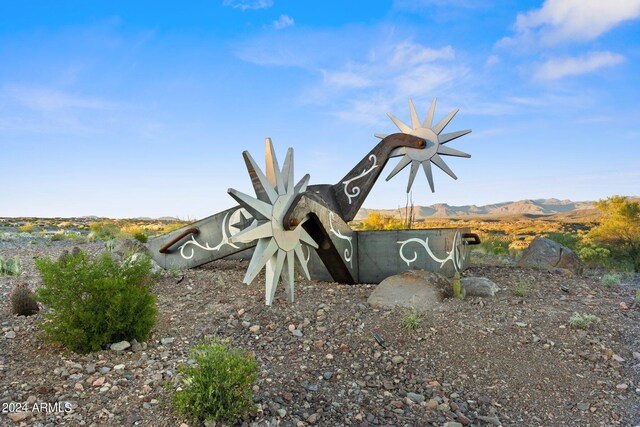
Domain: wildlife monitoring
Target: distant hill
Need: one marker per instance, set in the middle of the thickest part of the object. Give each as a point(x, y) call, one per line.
point(530, 208)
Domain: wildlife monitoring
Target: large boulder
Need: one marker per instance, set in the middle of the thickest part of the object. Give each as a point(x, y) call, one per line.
point(412, 289)
point(549, 255)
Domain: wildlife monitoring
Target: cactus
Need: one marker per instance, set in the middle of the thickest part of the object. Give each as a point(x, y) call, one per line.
point(10, 267)
point(23, 302)
point(457, 291)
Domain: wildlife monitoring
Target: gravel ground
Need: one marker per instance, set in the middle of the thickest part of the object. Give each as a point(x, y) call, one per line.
point(507, 360)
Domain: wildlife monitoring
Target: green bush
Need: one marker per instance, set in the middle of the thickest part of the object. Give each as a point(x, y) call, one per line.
point(582, 321)
point(521, 289)
point(103, 230)
point(611, 279)
point(217, 387)
point(141, 237)
point(411, 319)
point(96, 302)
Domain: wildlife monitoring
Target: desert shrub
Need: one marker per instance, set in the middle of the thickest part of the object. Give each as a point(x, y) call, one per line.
point(135, 232)
point(217, 387)
point(594, 256)
point(521, 289)
point(10, 267)
point(23, 301)
point(376, 221)
point(619, 230)
point(493, 244)
point(411, 319)
point(104, 230)
point(27, 228)
point(637, 297)
point(94, 302)
point(611, 279)
point(582, 321)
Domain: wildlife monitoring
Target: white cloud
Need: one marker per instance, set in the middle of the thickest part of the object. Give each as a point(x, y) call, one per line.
point(283, 21)
point(346, 79)
point(53, 100)
point(248, 4)
point(558, 68)
point(559, 21)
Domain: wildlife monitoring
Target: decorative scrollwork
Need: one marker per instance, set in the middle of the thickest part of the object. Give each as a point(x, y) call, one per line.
point(355, 191)
point(457, 255)
point(348, 252)
point(206, 247)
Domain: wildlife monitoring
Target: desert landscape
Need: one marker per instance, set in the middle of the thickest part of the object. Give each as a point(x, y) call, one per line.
point(330, 358)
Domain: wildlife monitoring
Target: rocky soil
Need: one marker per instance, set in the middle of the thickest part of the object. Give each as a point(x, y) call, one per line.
point(506, 360)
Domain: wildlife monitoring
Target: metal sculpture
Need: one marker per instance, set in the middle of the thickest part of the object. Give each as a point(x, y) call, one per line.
point(287, 224)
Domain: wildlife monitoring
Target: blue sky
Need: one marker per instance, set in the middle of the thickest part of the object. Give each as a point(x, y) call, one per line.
point(143, 108)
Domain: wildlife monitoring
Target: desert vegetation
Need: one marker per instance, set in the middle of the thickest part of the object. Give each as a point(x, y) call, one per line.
point(609, 240)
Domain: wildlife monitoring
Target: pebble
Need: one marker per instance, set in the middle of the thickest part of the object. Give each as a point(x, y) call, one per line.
point(10, 334)
point(452, 424)
point(99, 382)
point(16, 417)
point(397, 360)
point(167, 341)
point(312, 419)
point(282, 412)
point(120, 346)
point(297, 332)
point(622, 387)
point(327, 375)
point(583, 406)
point(90, 368)
point(254, 329)
point(432, 404)
point(415, 397)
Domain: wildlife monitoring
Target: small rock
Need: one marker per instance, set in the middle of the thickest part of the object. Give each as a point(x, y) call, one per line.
point(312, 419)
point(120, 346)
point(583, 406)
point(119, 368)
point(100, 381)
point(327, 375)
point(622, 387)
point(282, 412)
point(11, 335)
point(167, 341)
point(297, 332)
point(397, 360)
point(133, 418)
point(241, 312)
point(254, 329)
point(90, 368)
point(415, 397)
point(617, 358)
point(491, 420)
point(16, 417)
point(522, 324)
point(452, 424)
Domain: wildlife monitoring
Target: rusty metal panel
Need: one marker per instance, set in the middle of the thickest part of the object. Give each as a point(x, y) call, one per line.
point(384, 253)
point(209, 243)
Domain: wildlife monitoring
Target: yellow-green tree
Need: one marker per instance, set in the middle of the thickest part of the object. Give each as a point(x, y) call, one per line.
point(619, 229)
point(376, 221)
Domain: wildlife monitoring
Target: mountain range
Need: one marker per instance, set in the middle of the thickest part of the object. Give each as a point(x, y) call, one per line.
point(532, 208)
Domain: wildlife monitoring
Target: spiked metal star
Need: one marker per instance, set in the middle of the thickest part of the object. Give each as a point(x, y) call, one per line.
point(434, 145)
point(277, 247)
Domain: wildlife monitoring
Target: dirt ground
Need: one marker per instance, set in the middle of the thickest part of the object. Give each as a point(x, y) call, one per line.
point(506, 360)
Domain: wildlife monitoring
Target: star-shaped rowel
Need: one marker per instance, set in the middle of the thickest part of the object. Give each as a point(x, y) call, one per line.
point(277, 248)
point(434, 145)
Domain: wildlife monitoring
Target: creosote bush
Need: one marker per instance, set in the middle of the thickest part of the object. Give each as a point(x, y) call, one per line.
point(93, 302)
point(217, 387)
